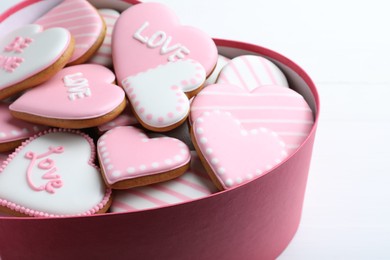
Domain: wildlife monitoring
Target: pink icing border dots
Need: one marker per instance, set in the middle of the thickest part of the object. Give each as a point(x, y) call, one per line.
point(33, 213)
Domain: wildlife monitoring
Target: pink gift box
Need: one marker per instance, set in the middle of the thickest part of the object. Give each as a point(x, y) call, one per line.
point(256, 220)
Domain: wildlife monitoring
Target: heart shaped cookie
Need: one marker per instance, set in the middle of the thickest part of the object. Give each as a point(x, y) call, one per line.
point(149, 34)
point(30, 56)
point(129, 158)
point(231, 154)
point(52, 174)
point(192, 185)
point(279, 109)
point(250, 72)
point(13, 131)
point(84, 23)
point(77, 97)
point(159, 96)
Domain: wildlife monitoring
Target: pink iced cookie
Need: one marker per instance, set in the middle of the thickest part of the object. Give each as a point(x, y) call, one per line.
point(159, 96)
point(29, 56)
point(250, 72)
point(129, 158)
point(13, 131)
point(279, 109)
point(77, 97)
point(103, 56)
point(192, 185)
point(84, 23)
point(52, 174)
point(232, 154)
point(151, 35)
point(126, 118)
point(212, 79)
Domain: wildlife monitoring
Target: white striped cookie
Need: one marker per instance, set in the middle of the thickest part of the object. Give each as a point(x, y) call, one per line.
point(104, 55)
point(212, 79)
point(250, 72)
point(83, 22)
point(192, 185)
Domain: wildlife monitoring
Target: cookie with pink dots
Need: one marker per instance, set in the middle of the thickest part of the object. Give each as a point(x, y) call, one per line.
point(159, 96)
point(277, 108)
point(30, 55)
point(78, 96)
point(83, 22)
point(103, 55)
point(129, 158)
point(232, 154)
point(52, 175)
point(14, 131)
point(250, 72)
point(151, 35)
point(194, 184)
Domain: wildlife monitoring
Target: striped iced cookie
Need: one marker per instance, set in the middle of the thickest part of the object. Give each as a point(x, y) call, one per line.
point(212, 79)
point(192, 185)
point(104, 56)
point(250, 72)
point(83, 22)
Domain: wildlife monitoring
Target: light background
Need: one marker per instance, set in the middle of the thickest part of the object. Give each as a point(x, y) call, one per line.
point(345, 47)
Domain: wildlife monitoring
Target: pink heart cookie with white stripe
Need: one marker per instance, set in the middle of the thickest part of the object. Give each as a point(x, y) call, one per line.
point(129, 158)
point(149, 34)
point(83, 21)
point(103, 55)
point(30, 55)
point(194, 184)
point(79, 96)
point(250, 72)
point(159, 96)
point(13, 131)
point(231, 154)
point(279, 109)
point(53, 175)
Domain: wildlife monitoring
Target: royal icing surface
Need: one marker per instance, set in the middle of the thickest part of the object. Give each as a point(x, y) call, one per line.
point(212, 79)
point(53, 175)
point(151, 35)
point(29, 50)
point(80, 18)
point(126, 152)
point(103, 56)
point(251, 153)
point(158, 95)
point(125, 119)
point(76, 92)
point(277, 108)
point(250, 72)
point(192, 185)
point(12, 129)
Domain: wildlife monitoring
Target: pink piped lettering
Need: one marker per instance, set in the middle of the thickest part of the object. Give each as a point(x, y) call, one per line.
point(18, 44)
point(9, 64)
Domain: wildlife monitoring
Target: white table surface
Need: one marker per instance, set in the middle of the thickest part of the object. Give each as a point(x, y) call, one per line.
point(345, 47)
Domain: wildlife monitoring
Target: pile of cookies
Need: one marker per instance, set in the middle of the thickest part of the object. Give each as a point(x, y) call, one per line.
point(102, 111)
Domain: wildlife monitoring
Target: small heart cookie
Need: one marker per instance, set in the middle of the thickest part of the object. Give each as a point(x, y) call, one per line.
point(250, 72)
point(147, 35)
point(79, 96)
point(231, 154)
point(159, 96)
point(29, 56)
point(53, 175)
point(129, 158)
point(83, 21)
point(13, 131)
point(279, 109)
point(192, 185)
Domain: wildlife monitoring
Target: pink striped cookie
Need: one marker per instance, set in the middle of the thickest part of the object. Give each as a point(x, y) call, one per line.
point(279, 109)
point(30, 55)
point(192, 185)
point(129, 158)
point(232, 154)
point(250, 72)
point(53, 175)
point(212, 79)
point(83, 22)
point(103, 56)
point(13, 131)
